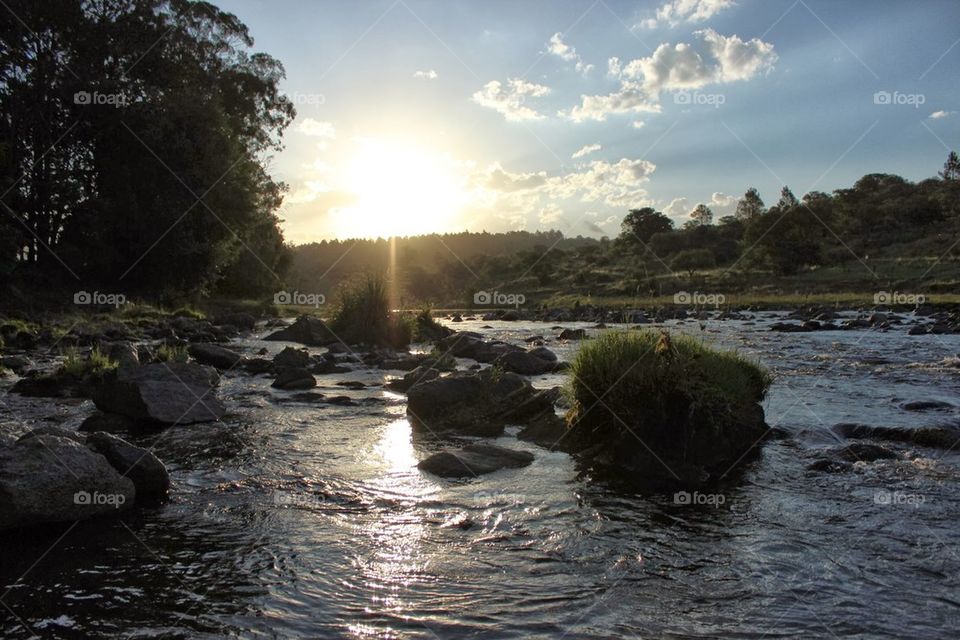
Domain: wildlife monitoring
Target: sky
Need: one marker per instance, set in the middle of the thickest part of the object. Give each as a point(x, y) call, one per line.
point(419, 116)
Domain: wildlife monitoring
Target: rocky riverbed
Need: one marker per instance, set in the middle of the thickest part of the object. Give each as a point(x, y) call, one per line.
point(321, 490)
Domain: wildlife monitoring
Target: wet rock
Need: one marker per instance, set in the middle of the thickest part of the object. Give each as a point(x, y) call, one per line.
point(46, 479)
point(148, 473)
point(306, 330)
point(467, 344)
point(926, 405)
point(526, 363)
point(572, 334)
point(474, 403)
point(473, 460)
point(214, 355)
point(58, 432)
point(112, 423)
point(257, 366)
point(125, 354)
point(242, 321)
point(342, 401)
point(943, 437)
point(16, 363)
point(417, 376)
point(166, 393)
point(544, 354)
point(788, 327)
point(326, 367)
point(308, 396)
point(294, 378)
point(46, 386)
point(290, 357)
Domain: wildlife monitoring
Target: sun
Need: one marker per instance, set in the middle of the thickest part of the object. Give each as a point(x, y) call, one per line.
point(400, 189)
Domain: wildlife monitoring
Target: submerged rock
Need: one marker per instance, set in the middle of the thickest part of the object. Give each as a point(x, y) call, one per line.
point(215, 356)
point(293, 378)
point(474, 460)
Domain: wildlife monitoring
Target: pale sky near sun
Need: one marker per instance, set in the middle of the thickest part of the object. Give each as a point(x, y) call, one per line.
point(419, 116)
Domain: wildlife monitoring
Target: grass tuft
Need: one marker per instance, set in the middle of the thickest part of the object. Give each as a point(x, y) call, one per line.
point(95, 364)
point(362, 314)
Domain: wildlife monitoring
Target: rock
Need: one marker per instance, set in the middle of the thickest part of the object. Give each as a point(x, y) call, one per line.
point(572, 334)
point(58, 432)
point(294, 378)
point(166, 393)
point(926, 405)
point(45, 386)
point(467, 344)
point(356, 385)
point(788, 327)
point(111, 423)
point(257, 366)
point(148, 473)
point(544, 354)
point(417, 376)
point(917, 330)
point(943, 437)
point(525, 363)
point(325, 367)
point(215, 356)
point(125, 354)
point(242, 321)
point(46, 479)
point(473, 460)
point(18, 364)
point(511, 315)
point(546, 429)
point(290, 357)
point(479, 404)
point(865, 452)
point(308, 396)
point(306, 330)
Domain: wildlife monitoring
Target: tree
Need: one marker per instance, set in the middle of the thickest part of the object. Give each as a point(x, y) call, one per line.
point(701, 215)
point(951, 168)
point(640, 224)
point(750, 205)
point(787, 199)
point(163, 122)
point(690, 260)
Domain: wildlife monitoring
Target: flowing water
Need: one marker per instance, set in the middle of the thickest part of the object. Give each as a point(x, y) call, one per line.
point(298, 520)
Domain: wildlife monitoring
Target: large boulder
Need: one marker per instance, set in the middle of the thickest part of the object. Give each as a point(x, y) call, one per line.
point(148, 473)
point(417, 376)
point(474, 460)
point(479, 404)
point(306, 330)
point(214, 355)
point(467, 344)
point(46, 478)
point(165, 393)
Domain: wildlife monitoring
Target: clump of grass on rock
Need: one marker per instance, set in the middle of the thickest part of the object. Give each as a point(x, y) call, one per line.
point(363, 316)
point(665, 408)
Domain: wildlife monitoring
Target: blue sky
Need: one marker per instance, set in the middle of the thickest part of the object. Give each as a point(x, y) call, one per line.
point(417, 116)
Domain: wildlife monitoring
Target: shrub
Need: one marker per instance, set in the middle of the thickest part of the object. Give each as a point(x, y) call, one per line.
point(171, 353)
point(76, 366)
point(362, 314)
point(642, 393)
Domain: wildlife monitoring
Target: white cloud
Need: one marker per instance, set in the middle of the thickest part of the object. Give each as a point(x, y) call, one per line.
point(613, 66)
point(676, 12)
point(565, 52)
point(313, 127)
point(722, 204)
point(550, 214)
point(713, 59)
point(638, 124)
point(936, 115)
point(586, 150)
point(428, 74)
point(509, 100)
point(678, 208)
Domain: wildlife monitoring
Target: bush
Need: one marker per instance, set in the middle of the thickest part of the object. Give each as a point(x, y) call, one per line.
point(171, 353)
point(362, 315)
point(646, 393)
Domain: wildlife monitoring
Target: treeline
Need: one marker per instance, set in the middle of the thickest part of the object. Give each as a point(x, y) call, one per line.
point(133, 141)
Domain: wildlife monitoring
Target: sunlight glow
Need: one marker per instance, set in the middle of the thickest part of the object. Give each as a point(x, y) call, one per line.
point(401, 190)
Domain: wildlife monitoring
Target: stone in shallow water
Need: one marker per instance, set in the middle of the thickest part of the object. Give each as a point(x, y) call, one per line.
point(294, 379)
point(148, 473)
point(166, 392)
point(473, 460)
